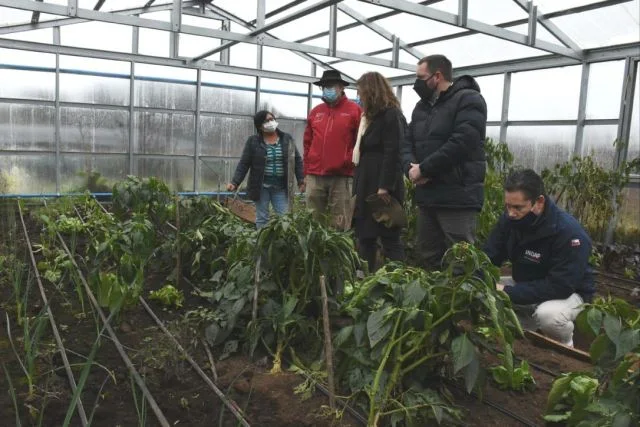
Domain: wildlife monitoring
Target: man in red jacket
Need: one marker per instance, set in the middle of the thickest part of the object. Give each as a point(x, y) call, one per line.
point(329, 139)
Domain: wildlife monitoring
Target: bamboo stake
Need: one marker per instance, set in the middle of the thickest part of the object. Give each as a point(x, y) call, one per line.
point(54, 327)
point(210, 356)
point(256, 289)
point(229, 403)
point(328, 346)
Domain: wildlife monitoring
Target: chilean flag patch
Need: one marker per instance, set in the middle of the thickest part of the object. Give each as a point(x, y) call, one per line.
point(575, 243)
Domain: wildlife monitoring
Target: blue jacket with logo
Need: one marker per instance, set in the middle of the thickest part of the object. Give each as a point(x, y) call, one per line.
point(550, 259)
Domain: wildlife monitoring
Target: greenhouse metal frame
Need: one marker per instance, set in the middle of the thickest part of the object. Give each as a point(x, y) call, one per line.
point(564, 52)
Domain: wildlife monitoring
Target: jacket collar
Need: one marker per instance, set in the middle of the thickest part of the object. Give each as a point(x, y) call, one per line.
point(546, 225)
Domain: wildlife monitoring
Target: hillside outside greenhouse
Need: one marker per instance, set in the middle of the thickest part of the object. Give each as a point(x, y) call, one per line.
point(319, 213)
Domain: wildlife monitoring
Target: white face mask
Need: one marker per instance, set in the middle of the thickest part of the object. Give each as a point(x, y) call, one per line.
point(270, 126)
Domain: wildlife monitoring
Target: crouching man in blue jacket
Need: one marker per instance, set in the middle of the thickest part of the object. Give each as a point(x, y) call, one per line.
point(549, 251)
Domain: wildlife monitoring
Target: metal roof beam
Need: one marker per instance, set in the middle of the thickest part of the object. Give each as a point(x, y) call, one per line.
point(480, 27)
point(550, 26)
point(378, 29)
point(98, 5)
point(303, 12)
point(35, 16)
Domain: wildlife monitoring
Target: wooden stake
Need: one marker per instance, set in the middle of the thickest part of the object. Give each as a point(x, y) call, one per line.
point(210, 356)
point(256, 288)
point(291, 174)
point(328, 346)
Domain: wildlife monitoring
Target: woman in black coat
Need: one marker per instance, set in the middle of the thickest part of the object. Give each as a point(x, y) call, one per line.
point(378, 173)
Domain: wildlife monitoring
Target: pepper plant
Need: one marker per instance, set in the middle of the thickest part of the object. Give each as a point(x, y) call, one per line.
point(611, 394)
point(409, 328)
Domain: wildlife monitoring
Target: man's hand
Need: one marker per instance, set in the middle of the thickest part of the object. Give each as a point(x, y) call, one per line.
point(414, 173)
point(500, 286)
point(231, 187)
point(384, 195)
point(421, 181)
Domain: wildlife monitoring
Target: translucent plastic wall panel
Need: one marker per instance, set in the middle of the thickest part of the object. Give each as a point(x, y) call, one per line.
point(540, 147)
point(214, 175)
point(545, 94)
point(227, 101)
point(27, 127)
point(366, 9)
point(604, 26)
point(111, 5)
point(228, 79)
point(548, 6)
point(24, 57)
point(307, 25)
point(496, 12)
point(74, 169)
point(153, 42)
point(176, 173)
point(493, 132)
point(94, 90)
point(163, 72)
point(97, 35)
point(163, 133)
point(356, 69)
point(361, 40)
point(243, 55)
point(295, 128)
point(82, 63)
point(190, 46)
point(598, 142)
point(94, 131)
point(541, 33)
point(29, 174)
point(605, 90)
point(163, 15)
point(155, 94)
point(284, 105)
point(284, 61)
point(491, 88)
point(409, 100)
point(10, 16)
point(27, 84)
point(634, 138)
point(246, 10)
point(224, 136)
point(412, 28)
point(44, 35)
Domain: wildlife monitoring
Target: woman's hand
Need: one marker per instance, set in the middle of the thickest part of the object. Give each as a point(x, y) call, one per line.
point(384, 195)
point(231, 187)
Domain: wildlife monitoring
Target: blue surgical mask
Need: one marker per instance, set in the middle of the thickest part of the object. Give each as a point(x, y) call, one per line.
point(330, 94)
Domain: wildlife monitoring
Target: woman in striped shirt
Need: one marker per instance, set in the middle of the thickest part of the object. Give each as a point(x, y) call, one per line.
point(265, 158)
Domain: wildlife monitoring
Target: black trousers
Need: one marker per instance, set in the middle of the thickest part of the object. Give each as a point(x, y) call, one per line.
point(439, 229)
point(392, 248)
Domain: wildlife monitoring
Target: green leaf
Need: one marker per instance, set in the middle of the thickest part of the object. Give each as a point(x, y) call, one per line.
point(599, 347)
point(556, 418)
point(594, 318)
point(471, 374)
point(558, 389)
point(628, 341)
point(377, 326)
point(612, 327)
point(414, 294)
point(359, 333)
point(621, 419)
point(463, 352)
point(342, 336)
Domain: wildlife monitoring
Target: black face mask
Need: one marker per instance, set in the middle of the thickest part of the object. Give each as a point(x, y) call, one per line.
point(423, 90)
point(525, 222)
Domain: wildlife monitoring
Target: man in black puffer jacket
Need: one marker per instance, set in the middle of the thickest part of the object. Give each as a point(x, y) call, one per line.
point(443, 154)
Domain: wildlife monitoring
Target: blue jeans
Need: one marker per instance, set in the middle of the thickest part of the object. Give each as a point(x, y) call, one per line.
point(279, 201)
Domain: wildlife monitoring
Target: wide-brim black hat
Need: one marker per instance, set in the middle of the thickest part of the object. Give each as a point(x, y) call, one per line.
point(331, 76)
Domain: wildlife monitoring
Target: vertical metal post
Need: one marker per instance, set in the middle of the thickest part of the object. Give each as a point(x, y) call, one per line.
point(132, 130)
point(176, 17)
point(582, 109)
point(333, 30)
point(72, 7)
point(504, 119)
point(395, 53)
point(260, 18)
point(622, 139)
point(196, 150)
point(533, 22)
point(399, 93)
point(310, 90)
point(56, 41)
point(463, 11)
point(225, 55)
